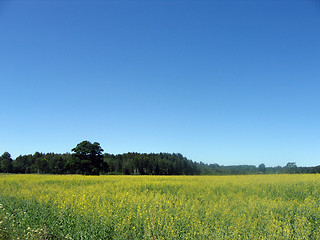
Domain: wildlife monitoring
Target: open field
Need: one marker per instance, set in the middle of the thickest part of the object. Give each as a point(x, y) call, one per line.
point(159, 207)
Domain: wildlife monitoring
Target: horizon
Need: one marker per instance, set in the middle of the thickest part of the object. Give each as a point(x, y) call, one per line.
point(232, 83)
point(199, 162)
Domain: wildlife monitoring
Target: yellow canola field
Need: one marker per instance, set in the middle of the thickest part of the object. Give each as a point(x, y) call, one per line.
point(161, 207)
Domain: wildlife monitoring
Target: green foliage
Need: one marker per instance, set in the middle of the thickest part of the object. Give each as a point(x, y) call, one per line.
point(6, 163)
point(151, 164)
point(262, 168)
point(291, 167)
point(87, 158)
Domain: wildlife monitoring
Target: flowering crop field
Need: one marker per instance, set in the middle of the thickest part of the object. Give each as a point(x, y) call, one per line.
point(159, 207)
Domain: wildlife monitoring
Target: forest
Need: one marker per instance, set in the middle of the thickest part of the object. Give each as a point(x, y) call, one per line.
point(88, 158)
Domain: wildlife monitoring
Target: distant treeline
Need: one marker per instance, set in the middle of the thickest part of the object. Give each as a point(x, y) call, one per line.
point(88, 159)
point(291, 168)
point(128, 163)
point(137, 163)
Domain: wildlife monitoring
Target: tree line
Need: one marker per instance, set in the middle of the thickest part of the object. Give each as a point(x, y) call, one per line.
point(88, 158)
point(289, 168)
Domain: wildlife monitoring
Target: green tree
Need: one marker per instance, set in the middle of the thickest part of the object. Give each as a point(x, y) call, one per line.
point(87, 158)
point(291, 167)
point(262, 168)
point(6, 163)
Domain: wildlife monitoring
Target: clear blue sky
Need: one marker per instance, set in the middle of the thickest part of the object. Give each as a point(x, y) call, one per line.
point(227, 82)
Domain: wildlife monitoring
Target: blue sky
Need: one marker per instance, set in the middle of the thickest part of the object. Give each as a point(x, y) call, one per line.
point(227, 82)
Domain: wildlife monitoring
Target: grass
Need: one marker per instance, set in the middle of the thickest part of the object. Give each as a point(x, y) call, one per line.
point(159, 207)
